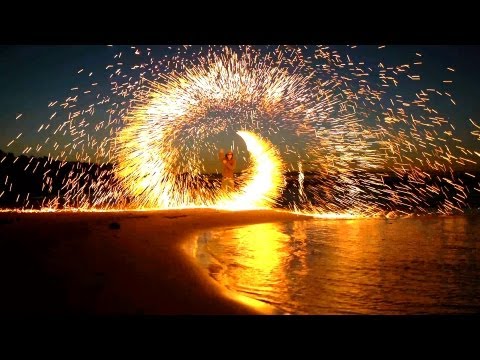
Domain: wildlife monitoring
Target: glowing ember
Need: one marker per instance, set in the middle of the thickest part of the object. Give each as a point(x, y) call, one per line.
point(307, 119)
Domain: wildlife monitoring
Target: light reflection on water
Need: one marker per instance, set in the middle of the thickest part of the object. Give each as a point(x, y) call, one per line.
point(424, 265)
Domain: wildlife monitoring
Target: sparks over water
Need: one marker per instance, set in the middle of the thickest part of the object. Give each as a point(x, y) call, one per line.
point(339, 126)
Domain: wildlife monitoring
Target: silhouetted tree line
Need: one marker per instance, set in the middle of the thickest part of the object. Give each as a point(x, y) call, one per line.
point(23, 179)
point(23, 182)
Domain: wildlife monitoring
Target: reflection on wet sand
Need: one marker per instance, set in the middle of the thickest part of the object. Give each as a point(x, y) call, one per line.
point(361, 266)
point(254, 265)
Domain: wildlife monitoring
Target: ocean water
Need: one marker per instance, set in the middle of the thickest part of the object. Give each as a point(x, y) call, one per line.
point(419, 265)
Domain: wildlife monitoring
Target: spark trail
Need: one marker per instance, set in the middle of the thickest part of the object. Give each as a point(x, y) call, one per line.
point(364, 149)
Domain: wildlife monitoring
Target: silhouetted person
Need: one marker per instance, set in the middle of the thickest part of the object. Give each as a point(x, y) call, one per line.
point(228, 168)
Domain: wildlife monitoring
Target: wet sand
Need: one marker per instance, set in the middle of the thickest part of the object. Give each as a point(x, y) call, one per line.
point(116, 263)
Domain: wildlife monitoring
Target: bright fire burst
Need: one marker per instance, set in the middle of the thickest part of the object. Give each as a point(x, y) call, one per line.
point(264, 180)
point(319, 134)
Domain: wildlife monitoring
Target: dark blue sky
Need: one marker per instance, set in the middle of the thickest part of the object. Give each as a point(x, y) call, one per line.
point(33, 76)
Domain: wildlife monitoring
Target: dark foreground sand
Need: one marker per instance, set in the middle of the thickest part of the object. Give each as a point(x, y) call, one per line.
point(83, 263)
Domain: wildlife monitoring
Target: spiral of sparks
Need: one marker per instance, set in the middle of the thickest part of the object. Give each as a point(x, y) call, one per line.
point(322, 135)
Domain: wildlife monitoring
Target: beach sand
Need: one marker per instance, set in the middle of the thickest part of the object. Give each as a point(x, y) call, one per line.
point(116, 263)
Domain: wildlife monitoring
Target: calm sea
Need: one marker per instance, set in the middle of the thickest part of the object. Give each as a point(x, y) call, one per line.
point(420, 265)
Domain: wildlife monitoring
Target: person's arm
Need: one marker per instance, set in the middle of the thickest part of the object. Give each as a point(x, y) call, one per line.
point(221, 155)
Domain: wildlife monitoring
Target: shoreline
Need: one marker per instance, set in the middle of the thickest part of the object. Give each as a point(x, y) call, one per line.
point(118, 263)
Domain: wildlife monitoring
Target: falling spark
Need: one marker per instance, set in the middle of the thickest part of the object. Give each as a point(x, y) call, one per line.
point(361, 149)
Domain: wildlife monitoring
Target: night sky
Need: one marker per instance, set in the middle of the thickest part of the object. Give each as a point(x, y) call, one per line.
point(33, 76)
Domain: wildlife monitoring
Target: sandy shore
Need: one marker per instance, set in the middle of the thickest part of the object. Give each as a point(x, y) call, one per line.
point(116, 263)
